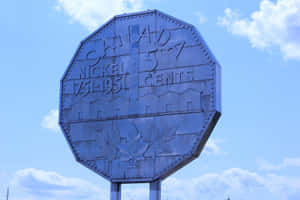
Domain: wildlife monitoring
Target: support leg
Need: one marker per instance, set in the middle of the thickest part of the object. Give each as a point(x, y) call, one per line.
point(115, 191)
point(155, 190)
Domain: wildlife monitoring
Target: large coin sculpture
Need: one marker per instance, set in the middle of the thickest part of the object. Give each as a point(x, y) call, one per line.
point(140, 97)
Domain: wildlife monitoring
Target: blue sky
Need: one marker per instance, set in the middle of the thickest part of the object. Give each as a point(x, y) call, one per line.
point(254, 150)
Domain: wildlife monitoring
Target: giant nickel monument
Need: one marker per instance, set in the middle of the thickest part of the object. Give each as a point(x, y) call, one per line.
point(139, 99)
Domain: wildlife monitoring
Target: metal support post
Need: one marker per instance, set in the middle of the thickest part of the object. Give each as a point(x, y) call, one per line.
point(115, 191)
point(155, 190)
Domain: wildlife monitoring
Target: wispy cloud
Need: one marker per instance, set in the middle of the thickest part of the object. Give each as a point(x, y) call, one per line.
point(212, 147)
point(236, 183)
point(50, 121)
point(92, 13)
point(287, 162)
point(274, 24)
point(33, 184)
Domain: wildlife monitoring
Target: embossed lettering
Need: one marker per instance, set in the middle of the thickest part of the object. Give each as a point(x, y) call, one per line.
point(164, 37)
point(82, 88)
point(170, 77)
point(145, 33)
point(117, 84)
point(178, 47)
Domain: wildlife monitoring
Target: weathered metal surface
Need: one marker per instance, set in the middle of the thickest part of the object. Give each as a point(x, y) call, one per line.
point(155, 190)
point(140, 97)
point(115, 191)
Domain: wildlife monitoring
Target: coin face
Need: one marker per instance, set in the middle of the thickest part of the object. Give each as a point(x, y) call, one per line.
point(140, 97)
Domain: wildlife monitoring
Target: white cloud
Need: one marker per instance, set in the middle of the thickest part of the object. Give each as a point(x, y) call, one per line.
point(212, 147)
point(236, 183)
point(287, 162)
point(274, 24)
point(93, 13)
point(33, 184)
point(50, 121)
